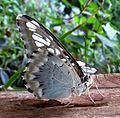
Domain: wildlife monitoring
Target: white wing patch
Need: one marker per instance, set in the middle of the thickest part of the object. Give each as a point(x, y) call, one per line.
point(51, 50)
point(57, 52)
point(34, 22)
point(64, 60)
point(31, 26)
point(48, 40)
point(89, 70)
point(38, 44)
point(40, 92)
point(31, 77)
point(82, 64)
point(86, 69)
point(40, 40)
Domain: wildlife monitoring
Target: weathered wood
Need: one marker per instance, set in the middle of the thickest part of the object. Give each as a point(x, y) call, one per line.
point(21, 104)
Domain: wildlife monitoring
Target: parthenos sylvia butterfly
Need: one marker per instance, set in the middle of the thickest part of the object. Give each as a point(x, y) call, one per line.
point(52, 72)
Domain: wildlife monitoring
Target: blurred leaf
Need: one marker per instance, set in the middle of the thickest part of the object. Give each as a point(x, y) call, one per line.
point(1, 9)
point(67, 3)
point(13, 78)
point(92, 7)
point(103, 14)
point(55, 20)
point(3, 41)
point(81, 19)
point(6, 19)
point(3, 75)
point(111, 33)
point(92, 20)
point(106, 41)
point(77, 39)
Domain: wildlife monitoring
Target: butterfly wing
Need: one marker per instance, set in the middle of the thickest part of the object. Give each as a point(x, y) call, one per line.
point(49, 77)
point(36, 35)
point(52, 71)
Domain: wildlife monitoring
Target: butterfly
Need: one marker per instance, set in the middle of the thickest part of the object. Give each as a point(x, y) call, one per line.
point(52, 72)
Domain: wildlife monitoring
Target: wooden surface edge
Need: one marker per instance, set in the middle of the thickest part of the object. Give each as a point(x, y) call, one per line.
point(21, 104)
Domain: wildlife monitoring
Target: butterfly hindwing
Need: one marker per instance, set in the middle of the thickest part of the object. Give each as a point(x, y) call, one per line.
point(54, 78)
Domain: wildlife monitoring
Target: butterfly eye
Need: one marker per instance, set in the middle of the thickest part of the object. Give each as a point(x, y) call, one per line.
point(84, 79)
point(29, 90)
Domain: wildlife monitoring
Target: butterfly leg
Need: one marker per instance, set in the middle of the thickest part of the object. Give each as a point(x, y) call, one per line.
point(90, 96)
point(98, 89)
point(69, 101)
point(89, 85)
point(93, 83)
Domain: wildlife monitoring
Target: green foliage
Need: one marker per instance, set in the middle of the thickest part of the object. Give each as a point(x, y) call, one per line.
point(74, 23)
point(12, 79)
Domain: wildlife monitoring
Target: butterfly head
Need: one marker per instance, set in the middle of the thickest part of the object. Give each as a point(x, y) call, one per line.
point(87, 81)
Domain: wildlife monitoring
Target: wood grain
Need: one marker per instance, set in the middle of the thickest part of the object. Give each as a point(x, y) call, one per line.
point(21, 104)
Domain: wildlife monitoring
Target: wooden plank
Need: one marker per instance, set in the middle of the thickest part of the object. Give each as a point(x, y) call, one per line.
point(21, 104)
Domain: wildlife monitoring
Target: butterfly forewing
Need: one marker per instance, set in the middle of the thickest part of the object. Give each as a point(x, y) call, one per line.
point(52, 72)
point(37, 36)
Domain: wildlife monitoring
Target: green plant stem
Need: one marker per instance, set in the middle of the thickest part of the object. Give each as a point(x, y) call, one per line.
point(69, 32)
point(85, 6)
